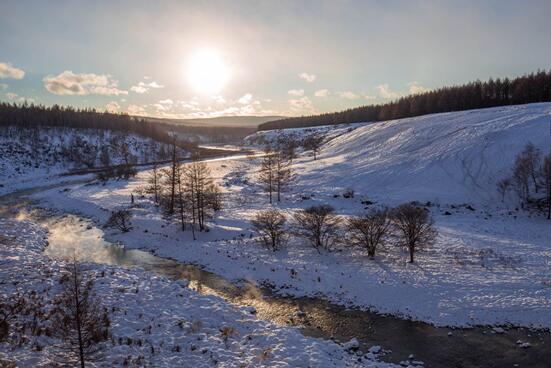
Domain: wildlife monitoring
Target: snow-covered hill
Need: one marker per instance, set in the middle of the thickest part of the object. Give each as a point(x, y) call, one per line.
point(29, 156)
point(449, 157)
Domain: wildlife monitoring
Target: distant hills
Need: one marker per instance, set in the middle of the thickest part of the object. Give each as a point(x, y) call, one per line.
point(223, 121)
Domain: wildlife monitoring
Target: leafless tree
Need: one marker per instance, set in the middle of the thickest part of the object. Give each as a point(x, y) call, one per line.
point(104, 156)
point(267, 175)
point(283, 173)
point(415, 226)
point(369, 230)
point(270, 224)
point(197, 181)
point(154, 181)
point(171, 177)
point(77, 317)
point(532, 156)
point(10, 308)
point(503, 187)
point(313, 143)
point(546, 173)
point(120, 219)
point(319, 225)
point(521, 178)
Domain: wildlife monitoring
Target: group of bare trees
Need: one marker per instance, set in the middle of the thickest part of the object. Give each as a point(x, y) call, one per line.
point(276, 173)
point(530, 179)
point(186, 190)
point(408, 225)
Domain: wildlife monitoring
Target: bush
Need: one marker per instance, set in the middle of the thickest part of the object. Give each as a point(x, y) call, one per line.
point(270, 224)
point(319, 225)
point(120, 220)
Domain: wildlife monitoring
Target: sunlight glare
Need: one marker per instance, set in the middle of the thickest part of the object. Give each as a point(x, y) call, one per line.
point(207, 73)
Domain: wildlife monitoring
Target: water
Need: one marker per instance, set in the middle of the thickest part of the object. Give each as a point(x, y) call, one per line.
point(71, 236)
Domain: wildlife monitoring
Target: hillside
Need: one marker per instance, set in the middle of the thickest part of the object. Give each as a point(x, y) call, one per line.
point(448, 157)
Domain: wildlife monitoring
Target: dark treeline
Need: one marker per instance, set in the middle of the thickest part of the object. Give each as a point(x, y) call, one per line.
point(31, 116)
point(535, 87)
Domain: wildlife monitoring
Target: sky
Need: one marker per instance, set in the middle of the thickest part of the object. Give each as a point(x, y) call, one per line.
point(190, 59)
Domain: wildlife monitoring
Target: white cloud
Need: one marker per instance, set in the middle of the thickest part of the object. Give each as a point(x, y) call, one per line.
point(167, 101)
point(15, 97)
point(3, 86)
point(9, 71)
point(307, 77)
point(322, 93)
point(245, 99)
point(386, 92)
point(136, 110)
point(368, 97)
point(143, 87)
point(301, 106)
point(349, 95)
point(296, 92)
point(112, 107)
point(69, 83)
point(415, 88)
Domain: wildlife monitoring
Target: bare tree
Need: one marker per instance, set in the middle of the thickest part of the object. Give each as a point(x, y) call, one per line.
point(532, 156)
point(521, 178)
point(369, 230)
point(154, 181)
point(283, 173)
point(10, 308)
point(270, 224)
point(267, 174)
point(319, 225)
point(104, 156)
point(415, 226)
point(120, 219)
point(503, 187)
point(171, 176)
point(313, 143)
point(197, 180)
point(546, 172)
point(77, 317)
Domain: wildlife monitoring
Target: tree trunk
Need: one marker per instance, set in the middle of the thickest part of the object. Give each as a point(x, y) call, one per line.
point(411, 250)
point(77, 311)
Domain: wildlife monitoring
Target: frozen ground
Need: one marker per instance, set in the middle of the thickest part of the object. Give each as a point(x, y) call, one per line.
point(154, 322)
point(487, 267)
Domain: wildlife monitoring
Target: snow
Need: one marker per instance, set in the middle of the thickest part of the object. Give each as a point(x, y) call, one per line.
point(489, 265)
point(182, 327)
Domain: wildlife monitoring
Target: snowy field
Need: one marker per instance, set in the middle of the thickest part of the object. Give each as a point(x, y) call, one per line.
point(490, 264)
point(154, 322)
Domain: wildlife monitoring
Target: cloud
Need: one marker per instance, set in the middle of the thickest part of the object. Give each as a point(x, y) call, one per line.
point(9, 71)
point(307, 77)
point(368, 97)
point(349, 95)
point(143, 87)
point(112, 107)
point(245, 99)
point(296, 92)
point(386, 92)
point(321, 93)
point(3, 86)
point(15, 97)
point(302, 106)
point(415, 88)
point(69, 83)
point(136, 110)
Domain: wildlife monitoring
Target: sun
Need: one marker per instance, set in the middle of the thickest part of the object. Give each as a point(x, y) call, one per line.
point(207, 73)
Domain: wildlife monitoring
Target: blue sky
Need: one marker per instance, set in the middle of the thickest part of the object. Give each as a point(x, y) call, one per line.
point(271, 57)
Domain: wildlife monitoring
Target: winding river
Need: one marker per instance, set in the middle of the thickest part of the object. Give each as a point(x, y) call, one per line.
point(436, 347)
